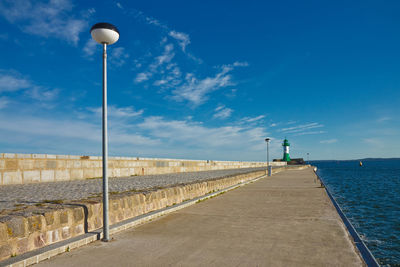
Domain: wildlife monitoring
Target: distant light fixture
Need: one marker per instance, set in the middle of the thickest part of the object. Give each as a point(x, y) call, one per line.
point(269, 169)
point(105, 34)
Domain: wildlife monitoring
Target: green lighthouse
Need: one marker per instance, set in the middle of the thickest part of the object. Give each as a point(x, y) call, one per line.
point(286, 145)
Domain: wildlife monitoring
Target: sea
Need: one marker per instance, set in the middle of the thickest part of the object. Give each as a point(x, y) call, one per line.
point(369, 196)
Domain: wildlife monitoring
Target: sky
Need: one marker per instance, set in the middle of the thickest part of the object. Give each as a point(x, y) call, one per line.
point(202, 79)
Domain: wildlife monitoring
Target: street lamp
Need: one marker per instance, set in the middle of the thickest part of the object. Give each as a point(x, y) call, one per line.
point(308, 154)
point(105, 34)
point(268, 167)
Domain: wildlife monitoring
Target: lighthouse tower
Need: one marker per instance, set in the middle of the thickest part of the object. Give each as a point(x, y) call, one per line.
point(286, 145)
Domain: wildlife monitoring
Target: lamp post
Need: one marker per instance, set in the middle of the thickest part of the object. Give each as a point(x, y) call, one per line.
point(308, 158)
point(105, 34)
point(268, 167)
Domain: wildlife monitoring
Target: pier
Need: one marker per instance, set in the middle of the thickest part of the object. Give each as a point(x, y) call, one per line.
point(283, 220)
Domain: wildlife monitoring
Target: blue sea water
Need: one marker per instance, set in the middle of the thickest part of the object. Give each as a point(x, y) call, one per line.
point(370, 198)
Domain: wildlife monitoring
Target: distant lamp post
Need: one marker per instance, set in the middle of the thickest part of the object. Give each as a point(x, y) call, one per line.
point(308, 160)
point(105, 34)
point(269, 168)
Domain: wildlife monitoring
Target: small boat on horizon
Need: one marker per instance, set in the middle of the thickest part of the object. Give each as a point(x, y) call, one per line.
point(360, 163)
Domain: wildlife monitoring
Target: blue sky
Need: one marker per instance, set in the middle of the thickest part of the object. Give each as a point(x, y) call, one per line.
point(202, 79)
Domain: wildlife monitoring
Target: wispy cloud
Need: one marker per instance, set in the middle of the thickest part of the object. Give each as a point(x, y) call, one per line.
point(383, 119)
point(118, 112)
point(4, 102)
point(159, 61)
point(51, 19)
point(118, 57)
point(196, 90)
point(328, 141)
point(131, 133)
point(309, 133)
point(301, 128)
point(192, 134)
point(374, 141)
point(253, 119)
point(222, 112)
point(43, 94)
point(90, 48)
point(182, 38)
point(166, 73)
point(118, 4)
point(12, 81)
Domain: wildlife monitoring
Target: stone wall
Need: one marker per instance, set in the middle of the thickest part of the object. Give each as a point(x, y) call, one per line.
point(51, 223)
point(35, 168)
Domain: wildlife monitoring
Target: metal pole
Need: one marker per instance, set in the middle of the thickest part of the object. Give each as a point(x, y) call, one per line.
point(105, 149)
point(269, 168)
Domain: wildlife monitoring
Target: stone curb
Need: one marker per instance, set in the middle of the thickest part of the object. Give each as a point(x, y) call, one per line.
point(47, 252)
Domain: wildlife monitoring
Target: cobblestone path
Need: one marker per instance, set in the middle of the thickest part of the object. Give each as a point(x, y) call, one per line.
point(11, 195)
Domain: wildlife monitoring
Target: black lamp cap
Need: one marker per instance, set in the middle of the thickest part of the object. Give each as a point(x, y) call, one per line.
point(104, 25)
point(267, 139)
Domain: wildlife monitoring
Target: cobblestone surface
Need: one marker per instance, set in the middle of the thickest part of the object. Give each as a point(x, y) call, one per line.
point(11, 195)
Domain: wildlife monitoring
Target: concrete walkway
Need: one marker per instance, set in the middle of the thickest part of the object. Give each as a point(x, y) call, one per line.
point(284, 220)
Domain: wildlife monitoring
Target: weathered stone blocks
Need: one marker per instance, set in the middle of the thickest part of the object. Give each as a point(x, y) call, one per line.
point(31, 176)
point(76, 174)
point(51, 164)
point(17, 227)
point(35, 223)
point(62, 175)
point(47, 176)
point(12, 177)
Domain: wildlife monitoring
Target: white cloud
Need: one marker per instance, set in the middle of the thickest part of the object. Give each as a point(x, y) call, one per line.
point(130, 133)
point(308, 133)
point(159, 61)
point(118, 112)
point(192, 134)
point(11, 82)
point(376, 142)
point(90, 47)
point(119, 5)
point(301, 128)
point(253, 119)
point(118, 56)
point(328, 141)
point(240, 64)
point(153, 21)
point(166, 57)
point(4, 101)
point(383, 119)
point(42, 94)
point(65, 129)
point(222, 112)
point(143, 76)
point(182, 38)
point(196, 90)
point(51, 19)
